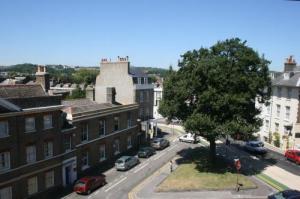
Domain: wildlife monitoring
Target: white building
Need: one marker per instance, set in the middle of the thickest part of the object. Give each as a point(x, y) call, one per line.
point(282, 115)
point(158, 89)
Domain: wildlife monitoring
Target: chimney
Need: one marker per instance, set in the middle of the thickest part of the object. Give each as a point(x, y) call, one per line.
point(42, 77)
point(90, 93)
point(111, 95)
point(290, 64)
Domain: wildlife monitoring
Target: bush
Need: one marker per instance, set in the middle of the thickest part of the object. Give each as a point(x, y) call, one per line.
point(276, 139)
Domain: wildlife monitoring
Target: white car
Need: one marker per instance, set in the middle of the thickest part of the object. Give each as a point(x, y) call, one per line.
point(191, 138)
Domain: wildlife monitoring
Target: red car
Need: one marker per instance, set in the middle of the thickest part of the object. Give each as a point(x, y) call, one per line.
point(86, 185)
point(293, 155)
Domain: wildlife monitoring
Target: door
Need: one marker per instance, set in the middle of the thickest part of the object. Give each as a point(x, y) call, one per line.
point(68, 175)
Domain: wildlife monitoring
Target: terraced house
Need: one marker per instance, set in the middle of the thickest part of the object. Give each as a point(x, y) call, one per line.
point(47, 143)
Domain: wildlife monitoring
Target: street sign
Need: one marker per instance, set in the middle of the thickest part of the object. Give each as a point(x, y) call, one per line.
point(237, 164)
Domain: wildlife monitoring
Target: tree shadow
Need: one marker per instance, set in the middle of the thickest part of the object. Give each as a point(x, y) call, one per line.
point(224, 162)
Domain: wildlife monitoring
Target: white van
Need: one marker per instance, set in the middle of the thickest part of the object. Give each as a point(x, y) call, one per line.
point(189, 137)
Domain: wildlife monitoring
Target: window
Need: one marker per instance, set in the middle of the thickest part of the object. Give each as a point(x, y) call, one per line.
point(297, 135)
point(49, 179)
point(142, 80)
point(116, 123)
point(129, 144)
point(279, 91)
point(116, 147)
point(32, 186)
point(287, 112)
point(85, 160)
point(3, 129)
point(267, 123)
point(47, 121)
point(277, 127)
point(102, 127)
point(139, 80)
point(30, 154)
point(286, 131)
point(4, 161)
point(289, 93)
point(29, 124)
point(141, 113)
point(146, 80)
point(278, 110)
point(147, 112)
point(102, 153)
point(135, 80)
point(48, 149)
point(129, 120)
point(147, 96)
point(141, 96)
point(268, 109)
point(84, 132)
point(67, 143)
point(5, 193)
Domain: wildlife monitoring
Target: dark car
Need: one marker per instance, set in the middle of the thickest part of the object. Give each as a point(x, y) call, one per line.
point(87, 184)
point(293, 155)
point(255, 147)
point(160, 143)
point(146, 152)
point(286, 194)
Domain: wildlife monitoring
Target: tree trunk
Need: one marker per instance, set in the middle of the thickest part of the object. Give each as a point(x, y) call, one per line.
point(212, 150)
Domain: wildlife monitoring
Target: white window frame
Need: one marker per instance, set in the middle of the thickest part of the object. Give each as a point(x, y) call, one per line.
point(287, 112)
point(32, 185)
point(84, 133)
point(268, 109)
point(102, 127)
point(69, 143)
point(129, 142)
point(116, 118)
point(85, 160)
point(102, 151)
point(48, 149)
point(289, 93)
point(276, 127)
point(27, 122)
point(116, 146)
point(4, 129)
point(47, 121)
point(4, 161)
point(278, 107)
point(5, 193)
point(49, 179)
point(31, 154)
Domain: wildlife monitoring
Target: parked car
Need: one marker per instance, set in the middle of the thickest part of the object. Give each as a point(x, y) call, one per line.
point(146, 152)
point(126, 162)
point(191, 138)
point(87, 184)
point(286, 194)
point(256, 147)
point(293, 155)
point(160, 143)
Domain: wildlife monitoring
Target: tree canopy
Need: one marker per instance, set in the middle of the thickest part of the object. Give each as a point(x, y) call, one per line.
point(215, 89)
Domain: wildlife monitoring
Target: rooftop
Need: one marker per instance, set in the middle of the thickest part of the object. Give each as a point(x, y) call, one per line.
point(21, 91)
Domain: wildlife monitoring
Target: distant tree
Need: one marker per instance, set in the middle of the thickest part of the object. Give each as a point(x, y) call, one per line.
point(86, 76)
point(77, 93)
point(215, 89)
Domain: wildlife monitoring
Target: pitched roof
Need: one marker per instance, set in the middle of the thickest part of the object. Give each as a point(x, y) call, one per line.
point(21, 91)
point(137, 72)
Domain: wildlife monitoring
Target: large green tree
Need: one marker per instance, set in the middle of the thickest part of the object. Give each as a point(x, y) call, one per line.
point(215, 89)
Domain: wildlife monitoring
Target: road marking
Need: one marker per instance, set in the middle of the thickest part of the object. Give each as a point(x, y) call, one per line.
point(109, 188)
point(171, 148)
point(141, 168)
point(159, 156)
point(96, 192)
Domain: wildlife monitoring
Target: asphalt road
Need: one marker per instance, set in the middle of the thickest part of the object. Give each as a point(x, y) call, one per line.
point(120, 183)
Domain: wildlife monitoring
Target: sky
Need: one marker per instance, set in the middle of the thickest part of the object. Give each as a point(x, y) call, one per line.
point(151, 32)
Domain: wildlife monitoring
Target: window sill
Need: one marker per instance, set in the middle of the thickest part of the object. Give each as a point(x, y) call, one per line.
point(4, 136)
point(129, 147)
point(102, 159)
point(48, 128)
point(4, 170)
point(117, 153)
point(84, 141)
point(48, 157)
point(33, 131)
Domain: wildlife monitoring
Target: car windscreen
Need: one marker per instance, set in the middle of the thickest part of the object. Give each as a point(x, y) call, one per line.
point(257, 144)
point(80, 183)
point(119, 161)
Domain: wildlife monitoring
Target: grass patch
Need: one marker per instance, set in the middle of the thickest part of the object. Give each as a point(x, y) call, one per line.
point(275, 184)
point(195, 172)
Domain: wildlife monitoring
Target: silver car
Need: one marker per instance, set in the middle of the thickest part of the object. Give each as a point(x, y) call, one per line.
point(160, 143)
point(126, 162)
point(255, 147)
